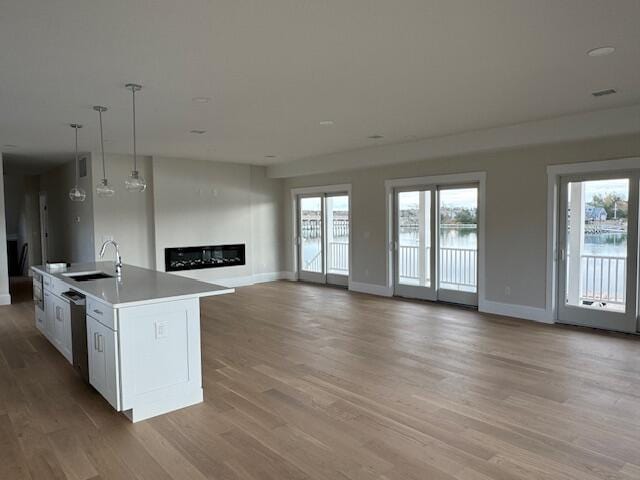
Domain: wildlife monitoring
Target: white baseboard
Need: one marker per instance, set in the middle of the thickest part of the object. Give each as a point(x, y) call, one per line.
point(371, 289)
point(5, 299)
point(234, 282)
point(518, 311)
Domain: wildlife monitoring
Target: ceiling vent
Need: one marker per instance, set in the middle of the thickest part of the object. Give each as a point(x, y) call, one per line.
point(602, 93)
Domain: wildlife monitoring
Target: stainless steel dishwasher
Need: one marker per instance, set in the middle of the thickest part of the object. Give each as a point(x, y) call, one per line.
point(78, 313)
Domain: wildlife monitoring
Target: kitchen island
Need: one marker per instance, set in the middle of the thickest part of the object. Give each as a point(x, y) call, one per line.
point(142, 333)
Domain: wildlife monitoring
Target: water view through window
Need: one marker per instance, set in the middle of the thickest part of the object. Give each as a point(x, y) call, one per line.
point(458, 242)
point(313, 218)
point(596, 243)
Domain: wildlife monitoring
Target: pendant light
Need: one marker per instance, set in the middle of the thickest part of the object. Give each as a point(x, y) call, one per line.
point(103, 189)
point(76, 194)
point(135, 182)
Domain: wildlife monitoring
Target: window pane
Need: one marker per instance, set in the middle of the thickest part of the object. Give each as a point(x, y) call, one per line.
point(414, 238)
point(458, 250)
point(311, 233)
point(596, 249)
point(338, 235)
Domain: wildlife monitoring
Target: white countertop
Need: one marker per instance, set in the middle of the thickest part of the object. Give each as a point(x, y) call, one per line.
point(137, 286)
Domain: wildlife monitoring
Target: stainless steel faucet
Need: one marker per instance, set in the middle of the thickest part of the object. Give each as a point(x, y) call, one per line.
point(118, 257)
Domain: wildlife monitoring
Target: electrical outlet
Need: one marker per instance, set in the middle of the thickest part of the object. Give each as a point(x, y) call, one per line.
point(507, 291)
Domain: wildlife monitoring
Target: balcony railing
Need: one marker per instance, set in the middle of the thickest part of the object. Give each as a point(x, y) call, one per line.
point(603, 279)
point(337, 259)
point(458, 266)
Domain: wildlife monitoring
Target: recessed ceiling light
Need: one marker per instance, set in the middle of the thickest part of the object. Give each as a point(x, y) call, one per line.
point(326, 123)
point(269, 156)
point(10, 145)
point(198, 132)
point(601, 51)
point(201, 99)
point(375, 137)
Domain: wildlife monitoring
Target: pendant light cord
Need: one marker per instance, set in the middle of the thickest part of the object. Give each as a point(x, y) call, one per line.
point(104, 168)
point(77, 173)
point(135, 160)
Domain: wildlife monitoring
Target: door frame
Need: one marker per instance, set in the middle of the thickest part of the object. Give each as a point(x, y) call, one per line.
point(311, 191)
point(457, 179)
point(304, 275)
point(624, 322)
point(444, 294)
point(554, 174)
point(44, 226)
point(411, 291)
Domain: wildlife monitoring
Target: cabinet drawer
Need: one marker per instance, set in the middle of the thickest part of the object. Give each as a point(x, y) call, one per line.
point(101, 312)
point(46, 281)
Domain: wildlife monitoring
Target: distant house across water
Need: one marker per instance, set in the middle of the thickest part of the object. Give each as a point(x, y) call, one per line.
point(594, 214)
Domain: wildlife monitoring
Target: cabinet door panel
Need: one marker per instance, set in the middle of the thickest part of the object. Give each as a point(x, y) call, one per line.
point(49, 315)
point(103, 365)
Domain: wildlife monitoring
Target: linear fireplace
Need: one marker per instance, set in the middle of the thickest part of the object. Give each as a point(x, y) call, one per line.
point(195, 258)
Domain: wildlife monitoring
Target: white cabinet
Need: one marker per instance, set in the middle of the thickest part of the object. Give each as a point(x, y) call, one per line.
point(41, 320)
point(56, 324)
point(103, 361)
point(48, 315)
point(62, 327)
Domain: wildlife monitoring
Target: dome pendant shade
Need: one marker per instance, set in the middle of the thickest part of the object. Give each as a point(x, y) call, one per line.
point(77, 194)
point(135, 182)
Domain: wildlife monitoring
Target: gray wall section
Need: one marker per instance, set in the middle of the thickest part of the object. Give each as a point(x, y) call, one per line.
point(516, 211)
point(208, 203)
point(126, 217)
point(70, 223)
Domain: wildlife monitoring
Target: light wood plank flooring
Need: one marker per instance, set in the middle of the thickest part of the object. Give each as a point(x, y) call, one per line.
point(306, 382)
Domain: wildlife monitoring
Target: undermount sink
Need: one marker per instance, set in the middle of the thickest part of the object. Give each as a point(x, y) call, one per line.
point(87, 276)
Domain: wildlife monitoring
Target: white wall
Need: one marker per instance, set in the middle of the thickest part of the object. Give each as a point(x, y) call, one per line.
point(516, 211)
point(126, 217)
point(70, 223)
point(209, 203)
point(5, 298)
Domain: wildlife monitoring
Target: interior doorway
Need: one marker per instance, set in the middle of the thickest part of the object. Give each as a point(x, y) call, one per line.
point(323, 237)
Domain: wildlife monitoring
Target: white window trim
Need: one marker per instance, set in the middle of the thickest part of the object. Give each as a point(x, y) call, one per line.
point(554, 172)
point(450, 179)
point(338, 188)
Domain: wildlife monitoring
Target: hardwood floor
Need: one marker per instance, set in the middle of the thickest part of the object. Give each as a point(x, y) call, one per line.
point(306, 382)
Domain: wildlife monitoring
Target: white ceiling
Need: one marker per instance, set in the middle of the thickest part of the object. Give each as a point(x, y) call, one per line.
point(404, 69)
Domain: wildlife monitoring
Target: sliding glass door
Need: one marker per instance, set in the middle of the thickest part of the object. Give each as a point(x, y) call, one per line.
point(323, 238)
point(436, 243)
point(598, 251)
